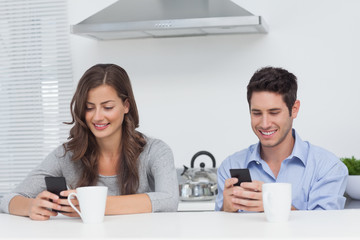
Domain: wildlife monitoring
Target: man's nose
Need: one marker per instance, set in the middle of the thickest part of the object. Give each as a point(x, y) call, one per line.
point(265, 122)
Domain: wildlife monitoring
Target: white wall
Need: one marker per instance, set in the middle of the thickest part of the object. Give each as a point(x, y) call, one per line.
point(191, 92)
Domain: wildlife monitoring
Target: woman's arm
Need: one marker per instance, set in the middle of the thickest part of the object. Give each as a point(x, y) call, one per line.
point(19, 205)
point(125, 204)
point(30, 197)
point(128, 204)
point(161, 169)
point(38, 208)
point(165, 196)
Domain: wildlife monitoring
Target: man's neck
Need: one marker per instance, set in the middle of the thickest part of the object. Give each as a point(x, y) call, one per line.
point(274, 156)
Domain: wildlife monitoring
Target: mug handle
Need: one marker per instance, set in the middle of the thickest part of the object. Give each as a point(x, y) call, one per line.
point(71, 204)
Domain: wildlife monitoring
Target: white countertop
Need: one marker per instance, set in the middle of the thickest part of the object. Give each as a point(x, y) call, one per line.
point(196, 206)
point(185, 206)
point(336, 224)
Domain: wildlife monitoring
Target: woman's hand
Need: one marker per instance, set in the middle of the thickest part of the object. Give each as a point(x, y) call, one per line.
point(40, 207)
point(66, 208)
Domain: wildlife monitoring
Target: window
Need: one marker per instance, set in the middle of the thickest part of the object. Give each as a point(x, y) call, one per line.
point(35, 84)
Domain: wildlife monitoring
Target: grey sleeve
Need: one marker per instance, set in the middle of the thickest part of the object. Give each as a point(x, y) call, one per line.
point(34, 183)
point(165, 198)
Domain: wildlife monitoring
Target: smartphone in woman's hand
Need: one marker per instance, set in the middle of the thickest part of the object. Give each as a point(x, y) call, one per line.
point(56, 185)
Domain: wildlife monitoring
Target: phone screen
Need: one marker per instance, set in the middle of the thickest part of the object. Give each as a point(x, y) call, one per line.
point(242, 174)
point(56, 185)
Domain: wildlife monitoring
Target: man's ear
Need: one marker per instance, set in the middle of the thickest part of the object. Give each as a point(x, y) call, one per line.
point(127, 106)
point(295, 109)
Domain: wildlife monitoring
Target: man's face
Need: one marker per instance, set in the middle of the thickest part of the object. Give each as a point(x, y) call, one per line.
point(270, 118)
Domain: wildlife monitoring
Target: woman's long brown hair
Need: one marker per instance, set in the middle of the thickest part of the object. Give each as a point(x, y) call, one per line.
point(82, 142)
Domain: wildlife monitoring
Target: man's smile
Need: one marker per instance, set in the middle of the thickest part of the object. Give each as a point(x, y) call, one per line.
point(267, 133)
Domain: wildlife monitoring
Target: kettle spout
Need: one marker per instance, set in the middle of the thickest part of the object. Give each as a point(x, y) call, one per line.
point(184, 173)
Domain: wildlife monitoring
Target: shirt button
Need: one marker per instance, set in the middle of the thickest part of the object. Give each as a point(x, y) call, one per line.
point(257, 163)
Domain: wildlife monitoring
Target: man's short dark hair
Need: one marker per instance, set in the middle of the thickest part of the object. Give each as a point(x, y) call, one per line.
point(277, 80)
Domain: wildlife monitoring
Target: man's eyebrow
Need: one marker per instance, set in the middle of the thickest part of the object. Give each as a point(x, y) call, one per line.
point(274, 109)
point(268, 110)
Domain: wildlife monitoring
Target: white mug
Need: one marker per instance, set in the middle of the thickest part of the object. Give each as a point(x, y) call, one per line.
point(277, 201)
point(92, 202)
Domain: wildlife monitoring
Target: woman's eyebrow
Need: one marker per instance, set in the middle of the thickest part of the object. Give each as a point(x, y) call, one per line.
point(100, 103)
point(107, 101)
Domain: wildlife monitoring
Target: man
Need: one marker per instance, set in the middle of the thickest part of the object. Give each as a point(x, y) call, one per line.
point(317, 176)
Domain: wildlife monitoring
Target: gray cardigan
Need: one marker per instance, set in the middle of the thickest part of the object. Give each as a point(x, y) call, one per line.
point(157, 175)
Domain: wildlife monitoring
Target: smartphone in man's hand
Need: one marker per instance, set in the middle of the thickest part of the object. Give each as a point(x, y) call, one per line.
point(242, 174)
point(56, 185)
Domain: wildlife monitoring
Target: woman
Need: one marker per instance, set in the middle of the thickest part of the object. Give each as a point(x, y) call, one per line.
point(103, 149)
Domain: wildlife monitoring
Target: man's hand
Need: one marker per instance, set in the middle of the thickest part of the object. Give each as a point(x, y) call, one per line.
point(247, 197)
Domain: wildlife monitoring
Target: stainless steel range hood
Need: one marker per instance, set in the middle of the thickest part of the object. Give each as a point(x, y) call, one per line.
point(169, 18)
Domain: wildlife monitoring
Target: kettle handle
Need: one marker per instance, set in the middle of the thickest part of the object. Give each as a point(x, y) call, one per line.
point(203, 153)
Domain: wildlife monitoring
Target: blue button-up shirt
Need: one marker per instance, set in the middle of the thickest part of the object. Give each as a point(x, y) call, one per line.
point(318, 177)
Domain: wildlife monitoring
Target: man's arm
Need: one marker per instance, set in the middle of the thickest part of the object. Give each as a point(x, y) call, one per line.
point(327, 192)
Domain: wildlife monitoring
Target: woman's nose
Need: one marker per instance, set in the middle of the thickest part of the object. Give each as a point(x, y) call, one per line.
point(98, 115)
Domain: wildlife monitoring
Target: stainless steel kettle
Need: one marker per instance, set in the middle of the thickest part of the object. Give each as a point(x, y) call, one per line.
point(200, 183)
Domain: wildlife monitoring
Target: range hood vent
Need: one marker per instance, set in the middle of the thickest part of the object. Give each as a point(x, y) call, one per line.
point(169, 18)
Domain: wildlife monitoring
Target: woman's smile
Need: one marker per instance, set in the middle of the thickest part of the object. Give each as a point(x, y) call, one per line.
point(101, 126)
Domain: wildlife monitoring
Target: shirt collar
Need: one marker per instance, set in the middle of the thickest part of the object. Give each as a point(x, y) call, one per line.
point(299, 151)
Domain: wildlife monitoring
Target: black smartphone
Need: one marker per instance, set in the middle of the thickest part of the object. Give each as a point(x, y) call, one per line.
point(242, 174)
point(56, 185)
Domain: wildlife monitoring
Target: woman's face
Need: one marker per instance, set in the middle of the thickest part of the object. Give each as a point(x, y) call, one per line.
point(105, 113)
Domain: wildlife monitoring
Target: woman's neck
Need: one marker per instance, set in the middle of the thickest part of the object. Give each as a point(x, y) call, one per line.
point(109, 156)
point(110, 145)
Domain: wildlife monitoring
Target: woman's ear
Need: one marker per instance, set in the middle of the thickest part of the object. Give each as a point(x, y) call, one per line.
point(127, 106)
